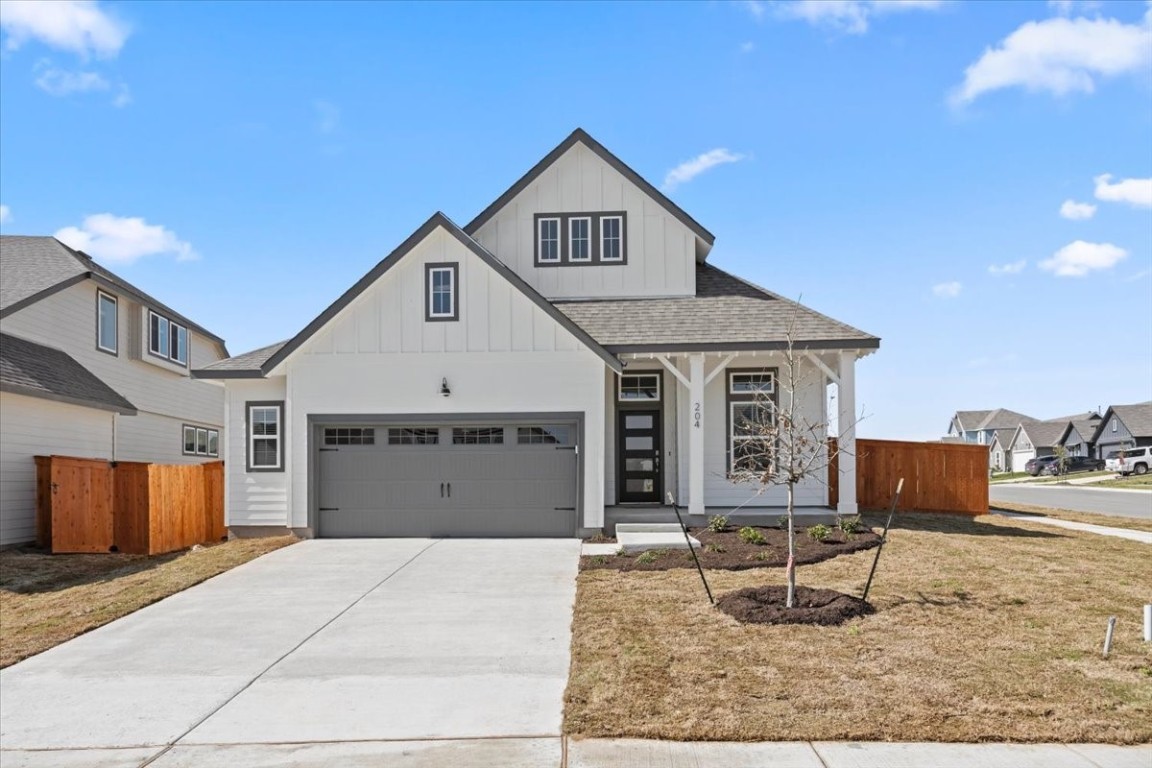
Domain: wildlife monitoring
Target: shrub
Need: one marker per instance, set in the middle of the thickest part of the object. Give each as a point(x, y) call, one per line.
point(649, 556)
point(714, 548)
point(819, 532)
point(762, 556)
point(717, 523)
point(599, 559)
point(750, 535)
point(850, 525)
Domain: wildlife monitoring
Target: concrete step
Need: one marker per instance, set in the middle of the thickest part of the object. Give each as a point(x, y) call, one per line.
point(640, 537)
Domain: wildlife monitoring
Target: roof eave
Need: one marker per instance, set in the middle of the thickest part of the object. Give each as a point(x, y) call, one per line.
point(16, 389)
point(208, 373)
point(747, 346)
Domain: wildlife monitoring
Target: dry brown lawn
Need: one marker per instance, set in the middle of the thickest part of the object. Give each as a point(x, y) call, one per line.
point(47, 599)
point(1131, 523)
point(987, 629)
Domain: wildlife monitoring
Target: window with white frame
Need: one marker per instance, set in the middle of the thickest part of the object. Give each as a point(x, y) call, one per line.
point(441, 292)
point(167, 339)
point(611, 238)
point(265, 437)
point(201, 441)
point(580, 239)
point(548, 241)
point(640, 386)
point(1115, 424)
point(107, 322)
point(751, 417)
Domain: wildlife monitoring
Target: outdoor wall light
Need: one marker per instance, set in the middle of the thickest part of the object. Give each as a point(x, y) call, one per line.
point(444, 390)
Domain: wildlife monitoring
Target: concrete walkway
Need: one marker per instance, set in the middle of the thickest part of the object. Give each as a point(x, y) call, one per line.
point(1144, 537)
point(324, 641)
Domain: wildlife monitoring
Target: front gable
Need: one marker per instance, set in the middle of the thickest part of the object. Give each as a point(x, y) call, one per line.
point(581, 183)
point(390, 310)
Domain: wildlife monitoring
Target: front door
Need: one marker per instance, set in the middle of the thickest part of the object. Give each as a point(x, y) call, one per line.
point(638, 446)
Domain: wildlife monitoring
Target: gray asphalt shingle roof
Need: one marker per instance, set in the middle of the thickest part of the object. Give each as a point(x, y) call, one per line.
point(32, 369)
point(35, 265)
point(1002, 418)
point(1137, 417)
point(970, 420)
point(249, 361)
point(725, 312)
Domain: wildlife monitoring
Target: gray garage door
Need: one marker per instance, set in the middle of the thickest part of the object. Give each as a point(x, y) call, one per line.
point(459, 480)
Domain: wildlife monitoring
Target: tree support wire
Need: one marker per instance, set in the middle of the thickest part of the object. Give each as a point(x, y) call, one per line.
point(883, 537)
point(692, 549)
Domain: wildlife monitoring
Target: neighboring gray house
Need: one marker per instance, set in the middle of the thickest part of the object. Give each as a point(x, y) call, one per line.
point(1124, 426)
point(92, 366)
point(999, 457)
point(1078, 437)
point(1032, 439)
point(992, 428)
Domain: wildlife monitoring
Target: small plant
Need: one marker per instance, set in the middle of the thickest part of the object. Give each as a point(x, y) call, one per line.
point(599, 559)
point(717, 523)
point(850, 525)
point(649, 556)
point(750, 535)
point(819, 532)
point(762, 556)
point(714, 548)
point(854, 631)
point(782, 522)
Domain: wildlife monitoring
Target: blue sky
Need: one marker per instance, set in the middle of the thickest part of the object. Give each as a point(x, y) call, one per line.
point(900, 166)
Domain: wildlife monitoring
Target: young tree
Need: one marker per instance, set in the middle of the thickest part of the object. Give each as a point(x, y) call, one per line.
point(1061, 454)
point(779, 443)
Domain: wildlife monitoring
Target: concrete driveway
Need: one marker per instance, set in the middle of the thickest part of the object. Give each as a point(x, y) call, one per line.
point(325, 641)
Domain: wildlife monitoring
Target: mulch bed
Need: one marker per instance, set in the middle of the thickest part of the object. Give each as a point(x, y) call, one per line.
point(727, 552)
point(765, 605)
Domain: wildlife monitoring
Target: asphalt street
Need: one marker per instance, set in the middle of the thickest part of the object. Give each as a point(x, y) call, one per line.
point(1080, 499)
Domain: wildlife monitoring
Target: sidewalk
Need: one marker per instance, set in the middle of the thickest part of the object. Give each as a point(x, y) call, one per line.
point(1144, 537)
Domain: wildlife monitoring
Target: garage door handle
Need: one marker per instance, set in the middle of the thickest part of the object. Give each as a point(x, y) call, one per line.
point(449, 490)
point(329, 509)
point(441, 490)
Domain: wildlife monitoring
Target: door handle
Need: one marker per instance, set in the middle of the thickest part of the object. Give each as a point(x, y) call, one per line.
point(441, 490)
point(449, 490)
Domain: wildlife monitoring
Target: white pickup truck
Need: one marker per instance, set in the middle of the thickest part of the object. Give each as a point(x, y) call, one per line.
point(1129, 461)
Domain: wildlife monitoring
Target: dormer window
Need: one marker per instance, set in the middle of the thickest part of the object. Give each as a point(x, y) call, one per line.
point(581, 239)
point(106, 323)
point(441, 302)
point(167, 339)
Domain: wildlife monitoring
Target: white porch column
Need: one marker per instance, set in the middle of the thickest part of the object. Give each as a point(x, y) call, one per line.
point(696, 434)
point(846, 420)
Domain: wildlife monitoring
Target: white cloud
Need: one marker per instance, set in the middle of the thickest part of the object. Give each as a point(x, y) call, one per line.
point(5, 214)
point(1014, 268)
point(1079, 258)
point(80, 26)
point(747, 47)
point(327, 116)
point(690, 169)
point(1059, 55)
point(1136, 192)
point(62, 82)
point(1065, 7)
point(123, 239)
point(850, 16)
point(947, 290)
point(1077, 211)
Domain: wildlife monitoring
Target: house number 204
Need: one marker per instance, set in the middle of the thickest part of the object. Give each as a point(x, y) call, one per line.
point(696, 416)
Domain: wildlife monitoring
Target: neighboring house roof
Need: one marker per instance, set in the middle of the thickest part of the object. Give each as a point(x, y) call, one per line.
point(1085, 426)
point(582, 137)
point(726, 313)
point(970, 420)
point(1137, 419)
point(27, 368)
point(1002, 418)
point(253, 367)
point(35, 267)
point(1003, 436)
point(1042, 434)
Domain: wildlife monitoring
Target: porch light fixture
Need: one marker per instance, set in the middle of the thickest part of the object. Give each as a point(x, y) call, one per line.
point(444, 390)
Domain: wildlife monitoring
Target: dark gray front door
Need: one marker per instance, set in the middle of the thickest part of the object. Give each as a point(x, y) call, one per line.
point(506, 480)
point(638, 443)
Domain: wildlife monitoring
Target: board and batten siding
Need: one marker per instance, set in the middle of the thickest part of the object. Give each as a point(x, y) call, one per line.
point(661, 251)
point(252, 498)
point(32, 426)
point(379, 356)
point(1113, 441)
point(66, 320)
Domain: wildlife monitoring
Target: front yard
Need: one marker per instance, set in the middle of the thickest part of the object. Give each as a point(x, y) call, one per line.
point(48, 599)
point(986, 630)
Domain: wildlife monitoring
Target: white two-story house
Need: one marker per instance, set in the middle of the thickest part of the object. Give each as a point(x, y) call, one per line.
point(567, 353)
point(91, 366)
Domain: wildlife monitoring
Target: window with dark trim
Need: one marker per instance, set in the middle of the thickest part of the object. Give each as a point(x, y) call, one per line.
point(441, 292)
point(478, 435)
point(167, 339)
point(265, 436)
point(413, 436)
point(639, 386)
point(107, 323)
point(751, 404)
point(349, 436)
point(580, 239)
point(551, 434)
point(201, 441)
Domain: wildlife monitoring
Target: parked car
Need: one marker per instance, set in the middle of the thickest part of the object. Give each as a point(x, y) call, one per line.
point(1035, 466)
point(1130, 461)
point(1074, 464)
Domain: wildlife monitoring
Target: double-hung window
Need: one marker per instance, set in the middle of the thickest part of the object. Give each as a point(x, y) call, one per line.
point(548, 241)
point(441, 292)
point(611, 238)
point(167, 339)
point(751, 417)
point(265, 437)
point(580, 239)
point(107, 322)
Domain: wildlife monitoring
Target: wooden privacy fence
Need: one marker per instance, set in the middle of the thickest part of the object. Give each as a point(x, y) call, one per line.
point(92, 505)
point(938, 477)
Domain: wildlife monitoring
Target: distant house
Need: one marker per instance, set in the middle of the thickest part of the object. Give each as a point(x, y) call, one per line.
point(1124, 426)
point(999, 457)
point(1033, 439)
point(984, 427)
point(92, 366)
point(1080, 435)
